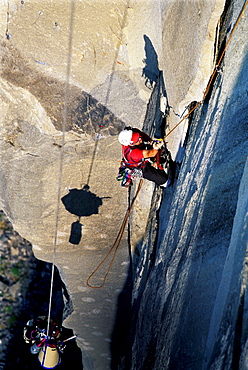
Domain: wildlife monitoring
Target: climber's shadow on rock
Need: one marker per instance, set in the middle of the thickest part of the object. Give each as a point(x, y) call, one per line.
point(82, 203)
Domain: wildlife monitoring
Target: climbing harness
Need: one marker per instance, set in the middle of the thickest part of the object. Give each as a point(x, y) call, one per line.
point(130, 170)
point(122, 174)
point(126, 173)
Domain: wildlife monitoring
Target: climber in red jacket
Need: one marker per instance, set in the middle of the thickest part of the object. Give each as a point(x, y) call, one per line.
point(141, 152)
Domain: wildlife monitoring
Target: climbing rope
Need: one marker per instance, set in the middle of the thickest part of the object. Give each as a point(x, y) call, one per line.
point(66, 99)
point(116, 244)
point(215, 71)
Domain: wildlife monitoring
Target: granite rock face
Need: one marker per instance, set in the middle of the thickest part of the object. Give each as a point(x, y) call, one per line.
point(190, 289)
point(112, 73)
point(131, 63)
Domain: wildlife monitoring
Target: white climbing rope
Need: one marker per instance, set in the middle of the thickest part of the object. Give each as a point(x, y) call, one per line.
point(66, 99)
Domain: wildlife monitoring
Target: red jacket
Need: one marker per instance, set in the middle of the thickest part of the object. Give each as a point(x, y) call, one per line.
point(133, 155)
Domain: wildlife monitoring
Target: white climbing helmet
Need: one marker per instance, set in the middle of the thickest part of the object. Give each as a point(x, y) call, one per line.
point(125, 137)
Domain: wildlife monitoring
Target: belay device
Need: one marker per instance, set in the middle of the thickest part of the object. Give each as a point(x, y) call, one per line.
point(48, 347)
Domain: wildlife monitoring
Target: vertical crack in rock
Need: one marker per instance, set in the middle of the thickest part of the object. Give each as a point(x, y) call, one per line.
point(189, 308)
point(8, 35)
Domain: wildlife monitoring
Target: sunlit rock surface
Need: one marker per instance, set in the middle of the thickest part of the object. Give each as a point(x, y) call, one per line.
point(119, 51)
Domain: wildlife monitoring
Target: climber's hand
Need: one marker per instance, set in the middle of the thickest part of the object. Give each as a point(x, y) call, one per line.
point(158, 144)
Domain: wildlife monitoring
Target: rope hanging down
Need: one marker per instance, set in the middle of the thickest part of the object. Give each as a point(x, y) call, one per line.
point(66, 99)
point(116, 244)
point(213, 73)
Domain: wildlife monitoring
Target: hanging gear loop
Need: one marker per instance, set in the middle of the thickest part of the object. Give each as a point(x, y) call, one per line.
point(121, 231)
point(121, 174)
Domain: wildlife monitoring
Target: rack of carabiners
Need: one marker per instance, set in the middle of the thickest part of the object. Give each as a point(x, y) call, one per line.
point(127, 174)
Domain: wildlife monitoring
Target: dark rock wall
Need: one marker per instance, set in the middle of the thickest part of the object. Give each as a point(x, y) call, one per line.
point(24, 294)
point(184, 305)
point(186, 308)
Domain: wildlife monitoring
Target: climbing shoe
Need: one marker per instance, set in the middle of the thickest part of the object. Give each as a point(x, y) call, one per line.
point(167, 184)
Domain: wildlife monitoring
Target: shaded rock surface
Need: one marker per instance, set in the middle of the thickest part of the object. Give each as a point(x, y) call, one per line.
point(189, 296)
point(24, 294)
point(14, 279)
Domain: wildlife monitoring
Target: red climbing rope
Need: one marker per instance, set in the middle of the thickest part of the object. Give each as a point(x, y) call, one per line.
point(116, 244)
